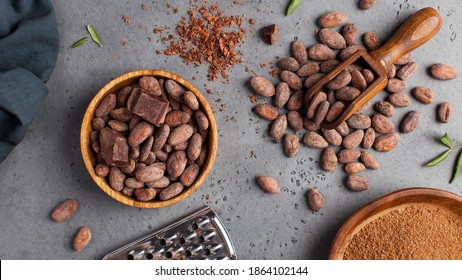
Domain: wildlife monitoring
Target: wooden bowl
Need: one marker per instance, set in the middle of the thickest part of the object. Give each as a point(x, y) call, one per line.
point(116, 85)
point(386, 204)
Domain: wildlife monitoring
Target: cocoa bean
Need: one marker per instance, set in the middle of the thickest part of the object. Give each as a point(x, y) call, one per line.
point(405, 59)
point(262, 86)
point(150, 84)
point(268, 184)
point(368, 76)
point(282, 94)
point(310, 125)
point(343, 129)
point(443, 72)
point(328, 65)
point(349, 51)
point(171, 191)
point(189, 175)
point(335, 111)
point(133, 183)
point(385, 108)
point(299, 52)
point(399, 99)
point(359, 121)
point(396, 85)
point(321, 112)
point(81, 239)
point(387, 142)
point(64, 210)
point(266, 111)
point(410, 122)
point(149, 173)
point(279, 127)
point(313, 79)
point(353, 139)
point(332, 137)
point(292, 80)
point(190, 100)
point(174, 90)
point(347, 93)
point(340, 81)
point(382, 124)
point(315, 199)
point(366, 4)
point(350, 34)
point(295, 102)
point(445, 112)
point(332, 39)
point(320, 52)
point(369, 138)
point(317, 99)
point(116, 179)
point(308, 69)
point(391, 72)
point(202, 120)
point(140, 133)
point(314, 140)
point(122, 96)
point(180, 134)
point(121, 114)
point(369, 161)
point(101, 170)
point(145, 194)
point(106, 106)
point(406, 71)
point(371, 41)
point(332, 19)
point(348, 155)
point(357, 80)
point(289, 64)
point(329, 160)
point(98, 124)
point(162, 183)
point(194, 148)
point(354, 167)
point(177, 118)
point(424, 95)
point(295, 120)
point(291, 144)
point(357, 183)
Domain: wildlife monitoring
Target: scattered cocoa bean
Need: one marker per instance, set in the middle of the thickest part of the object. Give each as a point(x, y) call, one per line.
point(313, 79)
point(262, 86)
point(268, 184)
point(371, 41)
point(385, 108)
point(353, 139)
point(349, 51)
point(329, 160)
point(328, 65)
point(295, 120)
point(348, 155)
point(282, 94)
point(320, 52)
point(410, 122)
point(64, 210)
point(445, 112)
point(332, 19)
point(291, 144)
point(357, 183)
point(443, 72)
point(308, 69)
point(369, 161)
point(292, 80)
point(399, 99)
point(317, 99)
point(321, 112)
point(332, 137)
point(366, 4)
point(396, 85)
point(289, 64)
point(424, 95)
point(350, 34)
point(387, 142)
point(354, 167)
point(314, 140)
point(335, 111)
point(279, 127)
point(382, 124)
point(315, 199)
point(332, 39)
point(405, 59)
point(81, 239)
point(343, 129)
point(299, 52)
point(406, 71)
point(369, 138)
point(295, 102)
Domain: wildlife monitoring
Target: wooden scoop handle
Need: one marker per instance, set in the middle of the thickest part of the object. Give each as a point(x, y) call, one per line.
point(417, 30)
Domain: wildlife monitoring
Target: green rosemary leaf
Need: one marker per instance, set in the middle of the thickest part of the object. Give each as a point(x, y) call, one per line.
point(94, 35)
point(292, 6)
point(458, 168)
point(438, 159)
point(80, 42)
point(446, 140)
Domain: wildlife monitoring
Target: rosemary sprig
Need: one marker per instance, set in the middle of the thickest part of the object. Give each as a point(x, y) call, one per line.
point(79, 42)
point(94, 35)
point(446, 140)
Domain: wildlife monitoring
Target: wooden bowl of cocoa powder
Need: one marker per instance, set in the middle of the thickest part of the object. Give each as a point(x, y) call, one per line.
point(89, 155)
point(408, 224)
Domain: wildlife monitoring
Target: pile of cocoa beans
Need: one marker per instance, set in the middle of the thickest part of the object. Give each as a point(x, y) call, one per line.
point(290, 107)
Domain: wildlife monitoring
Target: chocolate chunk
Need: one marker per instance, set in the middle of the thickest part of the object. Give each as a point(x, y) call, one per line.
point(150, 108)
point(114, 147)
point(270, 34)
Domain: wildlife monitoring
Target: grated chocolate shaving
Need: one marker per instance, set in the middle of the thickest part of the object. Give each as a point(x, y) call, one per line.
point(208, 36)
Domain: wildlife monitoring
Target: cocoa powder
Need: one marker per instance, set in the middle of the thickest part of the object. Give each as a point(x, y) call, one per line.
point(413, 232)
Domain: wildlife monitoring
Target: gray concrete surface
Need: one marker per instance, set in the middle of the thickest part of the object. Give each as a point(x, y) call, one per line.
point(47, 167)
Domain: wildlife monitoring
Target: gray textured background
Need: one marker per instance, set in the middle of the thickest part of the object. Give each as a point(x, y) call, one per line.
point(47, 167)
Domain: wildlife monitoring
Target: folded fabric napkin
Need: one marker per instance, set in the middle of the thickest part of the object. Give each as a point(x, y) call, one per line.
point(28, 50)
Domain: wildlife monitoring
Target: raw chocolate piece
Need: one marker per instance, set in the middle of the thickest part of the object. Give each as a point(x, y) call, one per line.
point(150, 108)
point(114, 147)
point(270, 34)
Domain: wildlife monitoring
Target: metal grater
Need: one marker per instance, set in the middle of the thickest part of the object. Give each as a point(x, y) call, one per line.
point(199, 236)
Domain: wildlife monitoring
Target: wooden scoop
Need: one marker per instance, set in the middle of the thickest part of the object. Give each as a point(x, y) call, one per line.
point(417, 30)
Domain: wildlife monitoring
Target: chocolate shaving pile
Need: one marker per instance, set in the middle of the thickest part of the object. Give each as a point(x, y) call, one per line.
point(208, 36)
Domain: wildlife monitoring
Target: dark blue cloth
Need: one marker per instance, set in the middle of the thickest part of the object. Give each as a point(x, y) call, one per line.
point(29, 46)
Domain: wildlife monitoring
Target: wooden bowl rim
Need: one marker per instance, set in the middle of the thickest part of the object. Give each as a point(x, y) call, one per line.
point(87, 153)
point(366, 213)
